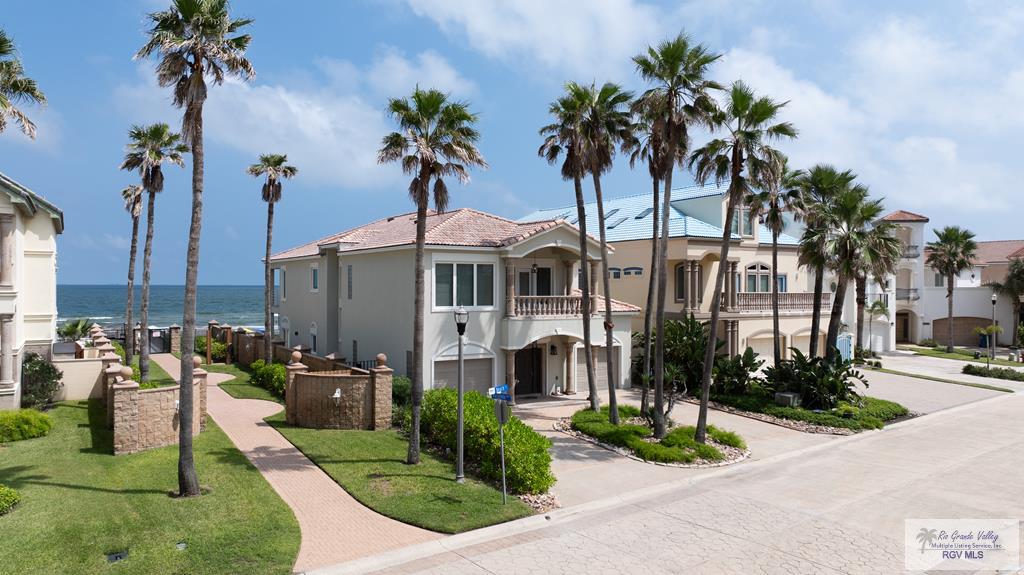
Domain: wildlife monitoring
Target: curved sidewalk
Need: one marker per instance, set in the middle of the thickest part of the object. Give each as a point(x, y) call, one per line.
point(335, 527)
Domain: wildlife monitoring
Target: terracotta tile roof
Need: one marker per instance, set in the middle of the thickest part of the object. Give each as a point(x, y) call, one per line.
point(462, 227)
point(904, 216)
point(617, 306)
point(1017, 254)
point(998, 251)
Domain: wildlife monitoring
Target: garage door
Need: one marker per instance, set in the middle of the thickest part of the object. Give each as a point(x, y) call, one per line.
point(803, 343)
point(478, 374)
point(963, 330)
point(600, 367)
point(762, 346)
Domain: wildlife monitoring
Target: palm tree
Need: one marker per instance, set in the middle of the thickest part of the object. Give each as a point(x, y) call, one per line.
point(194, 39)
point(606, 123)
point(680, 95)
point(744, 158)
point(15, 88)
point(437, 139)
point(953, 251)
point(818, 188)
point(566, 137)
point(855, 242)
point(926, 536)
point(1013, 288)
point(132, 196)
point(877, 309)
point(275, 169)
point(149, 148)
point(75, 329)
point(770, 204)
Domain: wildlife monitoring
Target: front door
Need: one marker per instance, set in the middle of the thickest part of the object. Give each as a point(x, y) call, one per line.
point(529, 374)
point(533, 281)
point(902, 326)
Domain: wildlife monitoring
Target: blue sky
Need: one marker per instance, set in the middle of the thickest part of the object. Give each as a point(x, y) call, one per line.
point(922, 99)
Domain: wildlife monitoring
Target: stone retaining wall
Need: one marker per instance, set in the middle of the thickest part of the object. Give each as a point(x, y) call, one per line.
point(339, 399)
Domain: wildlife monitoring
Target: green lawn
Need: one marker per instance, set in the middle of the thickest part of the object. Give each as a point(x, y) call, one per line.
point(157, 376)
point(240, 388)
point(960, 354)
point(873, 414)
point(370, 465)
point(79, 503)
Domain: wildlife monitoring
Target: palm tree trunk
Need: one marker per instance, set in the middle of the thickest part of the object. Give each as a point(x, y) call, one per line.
point(418, 319)
point(862, 296)
point(268, 287)
point(588, 353)
point(147, 256)
point(716, 299)
point(775, 296)
point(651, 292)
point(660, 426)
point(613, 406)
point(188, 480)
point(129, 329)
point(836, 317)
point(819, 289)
point(949, 312)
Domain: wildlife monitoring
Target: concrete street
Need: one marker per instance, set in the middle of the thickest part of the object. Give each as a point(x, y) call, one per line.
point(944, 368)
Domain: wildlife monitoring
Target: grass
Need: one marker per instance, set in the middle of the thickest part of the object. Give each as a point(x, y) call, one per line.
point(959, 354)
point(79, 503)
point(872, 415)
point(157, 376)
point(370, 465)
point(241, 387)
point(941, 380)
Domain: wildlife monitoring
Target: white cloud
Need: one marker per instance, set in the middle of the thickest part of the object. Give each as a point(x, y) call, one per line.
point(392, 74)
point(49, 127)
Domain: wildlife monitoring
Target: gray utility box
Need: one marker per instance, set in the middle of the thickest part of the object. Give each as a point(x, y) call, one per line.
point(787, 399)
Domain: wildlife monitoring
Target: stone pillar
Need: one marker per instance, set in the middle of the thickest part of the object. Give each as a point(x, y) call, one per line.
point(111, 375)
point(209, 340)
point(380, 390)
point(228, 343)
point(594, 270)
point(510, 288)
point(126, 414)
point(291, 404)
point(109, 360)
point(199, 383)
point(694, 291)
point(570, 369)
point(736, 336)
point(568, 277)
point(733, 280)
point(6, 251)
point(729, 351)
point(174, 333)
point(510, 373)
point(10, 398)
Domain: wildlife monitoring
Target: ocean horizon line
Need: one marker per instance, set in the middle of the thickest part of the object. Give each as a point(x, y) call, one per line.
point(138, 284)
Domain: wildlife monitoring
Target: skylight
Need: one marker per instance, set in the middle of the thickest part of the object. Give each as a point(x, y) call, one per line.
point(617, 222)
point(644, 214)
point(610, 214)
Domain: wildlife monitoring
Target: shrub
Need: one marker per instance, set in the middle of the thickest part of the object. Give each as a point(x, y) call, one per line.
point(527, 461)
point(928, 342)
point(997, 372)
point(269, 376)
point(8, 499)
point(882, 409)
point(735, 375)
point(22, 424)
point(401, 391)
point(219, 351)
point(821, 383)
point(39, 381)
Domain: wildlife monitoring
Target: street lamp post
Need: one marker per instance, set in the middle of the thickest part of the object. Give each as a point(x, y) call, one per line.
point(461, 318)
point(992, 336)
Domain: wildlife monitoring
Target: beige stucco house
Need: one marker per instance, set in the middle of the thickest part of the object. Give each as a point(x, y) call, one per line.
point(351, 294)
point(29, 226)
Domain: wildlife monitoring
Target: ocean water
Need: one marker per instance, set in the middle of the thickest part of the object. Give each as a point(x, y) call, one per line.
point(104, 304)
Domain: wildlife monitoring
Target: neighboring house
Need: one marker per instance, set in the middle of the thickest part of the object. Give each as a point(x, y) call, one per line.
point(29, 226)
point(920, 292)
point(352, 295)
point(695, 232)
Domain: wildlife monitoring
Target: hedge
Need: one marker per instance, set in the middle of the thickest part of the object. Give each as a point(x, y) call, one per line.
point(269, 376)
point(997, 372)
point(22, 424)
point(527, 461)
point(218, 353)
point(8, 499)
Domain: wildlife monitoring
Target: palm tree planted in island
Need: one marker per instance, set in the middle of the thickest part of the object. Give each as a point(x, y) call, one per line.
point(149, 148)
point(15, 88)
point(275, 168)
point(680, 98)
point(132, 196)
point(607, 124)
point(565, 138)
point(952, 252)
point(1013, 288)
point(194, 39)
point(437, 138)
point(745, 158)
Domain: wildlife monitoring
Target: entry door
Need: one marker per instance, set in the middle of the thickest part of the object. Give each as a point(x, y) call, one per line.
point(534, 283)
point(529, 375)
point(902, 326)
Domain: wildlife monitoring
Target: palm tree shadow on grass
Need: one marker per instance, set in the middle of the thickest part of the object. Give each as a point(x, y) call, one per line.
point(20, 476)
point(102, 438)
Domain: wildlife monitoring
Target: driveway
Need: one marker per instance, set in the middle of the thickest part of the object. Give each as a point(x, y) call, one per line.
point(922, 395)
point(943, 368)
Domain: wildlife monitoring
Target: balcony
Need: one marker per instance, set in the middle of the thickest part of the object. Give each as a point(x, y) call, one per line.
point(788, 302)
point(548, 305)
point(911, 252)
point(907, 294)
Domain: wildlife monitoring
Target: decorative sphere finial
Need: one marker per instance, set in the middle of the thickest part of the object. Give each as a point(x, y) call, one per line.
point(382, 360)
point(126, 373)
point(196, 362)
point(296, 356)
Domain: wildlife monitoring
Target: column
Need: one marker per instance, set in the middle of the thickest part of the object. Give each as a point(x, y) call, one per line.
point(291, 401)
point(685, 266)
point(510, 288)
point(695, 285)
point(228, 343)
point(7, 250)
point(570, 368)
point(209, 340)
point(568, 277)
point(736, 336)
point(732, 285)
point(510, 373)
point(7, 352)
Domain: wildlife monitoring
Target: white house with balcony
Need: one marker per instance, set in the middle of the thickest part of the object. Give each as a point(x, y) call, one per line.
point(29, 226)
point(351, 294)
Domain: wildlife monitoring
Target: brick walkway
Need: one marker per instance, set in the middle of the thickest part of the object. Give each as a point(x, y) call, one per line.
point(335, 527)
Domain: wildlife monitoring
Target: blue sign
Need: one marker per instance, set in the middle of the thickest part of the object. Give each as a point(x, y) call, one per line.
point(498, 389)
point(503, 396)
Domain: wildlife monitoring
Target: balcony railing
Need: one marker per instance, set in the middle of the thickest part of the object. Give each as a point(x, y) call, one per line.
point(788, 302)
point(548, 305)
point(907, 294)
point(911, 252)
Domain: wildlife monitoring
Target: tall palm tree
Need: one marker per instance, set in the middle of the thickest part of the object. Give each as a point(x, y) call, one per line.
point(194, 39)
point(607, 123)
point(680, 92)
point(149, 148)
point(132, 196)
point(745, 158)
point(952, 252)
point(770, 204)
point(855, 242)
point(275, 168)
point(437, 139)
point(877, 309)
point(1013, 288)
point(15, 88)
point(818, 188)
point(566, 137)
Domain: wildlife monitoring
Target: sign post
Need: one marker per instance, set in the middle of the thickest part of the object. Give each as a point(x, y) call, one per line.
point(502, 412)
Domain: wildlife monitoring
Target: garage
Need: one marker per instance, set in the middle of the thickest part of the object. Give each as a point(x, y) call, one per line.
point(963, 330)
point(479, 374)
point(803, 343)
point(600, 367)
point(763, 346)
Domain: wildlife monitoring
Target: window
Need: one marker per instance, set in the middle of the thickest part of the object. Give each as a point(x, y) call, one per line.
point(349, 276)
point(742, 223)
point(284, 284)
point(758, 279)
point(314, 277)
point(940, 280)
point(469, 285)
point(634, 271)
point(615, 273)
point(781, 281)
